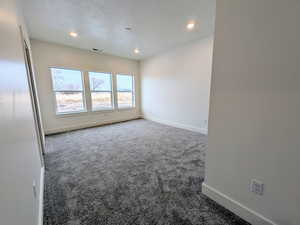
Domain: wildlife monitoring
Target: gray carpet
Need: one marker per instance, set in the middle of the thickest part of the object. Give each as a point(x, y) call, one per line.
point(132, 173)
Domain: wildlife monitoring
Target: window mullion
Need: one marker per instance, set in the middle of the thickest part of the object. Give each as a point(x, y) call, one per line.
point(133, 92)
point(87, 96)
point(114, 91)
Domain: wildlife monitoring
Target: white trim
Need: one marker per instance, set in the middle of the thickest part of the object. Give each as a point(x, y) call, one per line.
point(89, 91)
point(236, 207)
point(83, 92)
point(178, 125)
point(41, 197)
point(87, 125)
point(86, 92)
point(133, 92)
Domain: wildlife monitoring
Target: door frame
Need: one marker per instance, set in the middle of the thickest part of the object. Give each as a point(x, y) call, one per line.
point(34, 98)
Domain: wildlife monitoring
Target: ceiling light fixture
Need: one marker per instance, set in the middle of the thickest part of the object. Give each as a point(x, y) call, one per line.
point(136, 51)
point(128, 28)
point(73, 34)
point(190, 25)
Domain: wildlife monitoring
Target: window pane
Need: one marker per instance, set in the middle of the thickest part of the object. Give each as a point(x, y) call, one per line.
point(100, 81)
point(101, 100)
point(125, 99)
point(124, 83)
point(125, 91)
point(66, 80)
point(69, 102)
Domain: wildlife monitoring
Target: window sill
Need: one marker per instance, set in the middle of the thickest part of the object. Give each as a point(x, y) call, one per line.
point(70, 114)
point(100, 111)
point(103, 111)
point(126, 108)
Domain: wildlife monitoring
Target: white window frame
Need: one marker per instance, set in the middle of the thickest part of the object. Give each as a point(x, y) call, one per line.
point(111, 92)
point(87, 93)
point(133, 91)
point(54, 93)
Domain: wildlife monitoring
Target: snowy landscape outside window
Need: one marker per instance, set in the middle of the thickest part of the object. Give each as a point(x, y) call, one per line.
point(68, 90)
point(101, 91)
point(125, 91)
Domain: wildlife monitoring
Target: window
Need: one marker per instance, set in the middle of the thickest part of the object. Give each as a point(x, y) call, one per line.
point(101, 91)
point(125, 91)
point(68, 90)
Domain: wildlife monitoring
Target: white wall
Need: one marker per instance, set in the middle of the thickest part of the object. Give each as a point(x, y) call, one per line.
point(20, 163)
point(47, 55)
point(255, 109)
point(176, 85)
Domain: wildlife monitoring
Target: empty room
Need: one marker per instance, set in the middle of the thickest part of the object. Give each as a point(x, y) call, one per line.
point(149, 112)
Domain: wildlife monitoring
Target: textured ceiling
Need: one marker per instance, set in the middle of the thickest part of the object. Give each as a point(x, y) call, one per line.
point(157, 25)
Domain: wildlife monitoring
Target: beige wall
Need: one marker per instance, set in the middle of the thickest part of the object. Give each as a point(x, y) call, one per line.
point(20, 163)
point(176, 85)
point(47, 55)
point(254, 110)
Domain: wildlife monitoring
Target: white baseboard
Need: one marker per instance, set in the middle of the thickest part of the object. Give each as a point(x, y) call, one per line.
point(41, 197)
point(175, 124)
point(87, 125)
point(239, 209)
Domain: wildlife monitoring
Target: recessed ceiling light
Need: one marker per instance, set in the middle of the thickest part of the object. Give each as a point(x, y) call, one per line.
point(73, 34)
point(128, 28)
point(136, 51)
point(190, 25)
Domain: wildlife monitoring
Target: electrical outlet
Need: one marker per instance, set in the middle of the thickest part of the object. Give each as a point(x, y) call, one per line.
point(34, 189)
point(257, 187)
